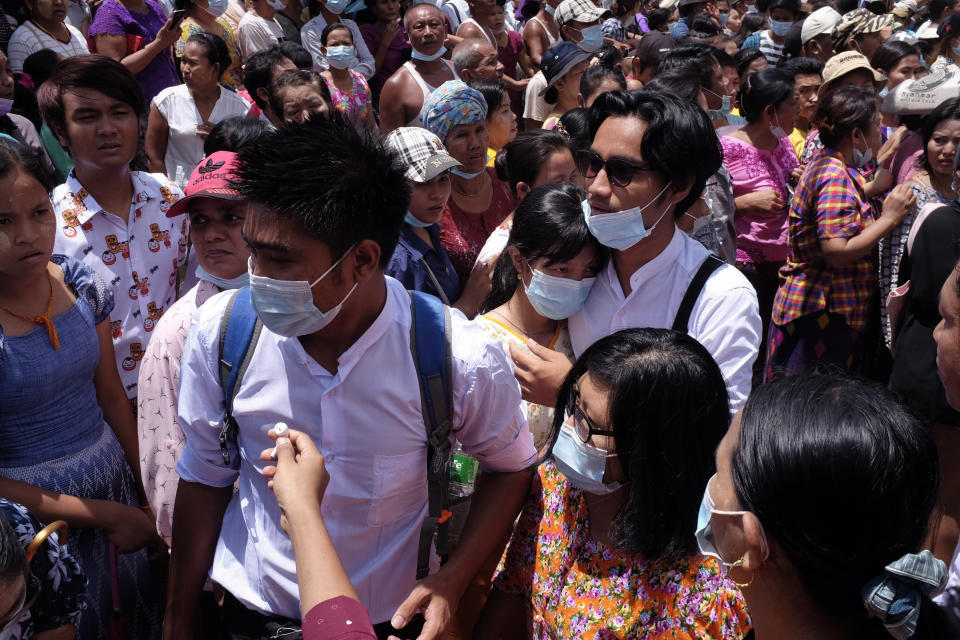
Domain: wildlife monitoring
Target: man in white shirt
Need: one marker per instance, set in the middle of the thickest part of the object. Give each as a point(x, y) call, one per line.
point(330, 14)
point(259, 29)
point(649, 161)
point(346, 377)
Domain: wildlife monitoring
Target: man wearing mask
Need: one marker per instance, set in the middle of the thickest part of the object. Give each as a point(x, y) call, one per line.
point(259, 28)
point(330, 12)
point(406, 91)
point(579, 23)
point(649, 161)
point(781, 14)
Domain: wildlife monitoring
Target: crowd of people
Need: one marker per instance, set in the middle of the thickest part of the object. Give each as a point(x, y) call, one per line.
point(487, 319)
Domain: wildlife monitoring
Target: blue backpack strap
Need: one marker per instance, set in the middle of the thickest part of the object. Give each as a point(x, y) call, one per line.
point(239, 332)
point(430, 346)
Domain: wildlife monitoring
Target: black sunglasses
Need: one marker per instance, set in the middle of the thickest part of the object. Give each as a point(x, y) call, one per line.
point(620, 171)
point(582, 424)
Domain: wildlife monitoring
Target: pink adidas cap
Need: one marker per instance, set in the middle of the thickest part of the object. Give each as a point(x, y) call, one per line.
point(210, 179)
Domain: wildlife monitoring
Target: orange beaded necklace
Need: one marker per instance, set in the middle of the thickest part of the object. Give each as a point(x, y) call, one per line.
point(44, 319)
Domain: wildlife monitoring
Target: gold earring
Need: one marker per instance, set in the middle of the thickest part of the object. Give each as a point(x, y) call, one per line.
point(741, 585)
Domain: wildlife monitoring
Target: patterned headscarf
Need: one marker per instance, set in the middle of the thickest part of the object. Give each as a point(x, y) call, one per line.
point(452, 104)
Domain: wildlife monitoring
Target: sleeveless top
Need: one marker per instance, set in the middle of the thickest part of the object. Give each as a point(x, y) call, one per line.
point(425, 88)
point(550, 37)
point(486, 36)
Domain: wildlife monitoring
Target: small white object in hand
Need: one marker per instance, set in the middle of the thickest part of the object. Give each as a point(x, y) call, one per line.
point(280, 428)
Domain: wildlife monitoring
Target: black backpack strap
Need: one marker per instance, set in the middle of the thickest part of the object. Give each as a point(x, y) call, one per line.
point(682, 321)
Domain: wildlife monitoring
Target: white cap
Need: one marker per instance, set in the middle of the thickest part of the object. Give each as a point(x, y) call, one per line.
point(912, 5)
point(922, 95)
point(668, 4)
point(823, 20)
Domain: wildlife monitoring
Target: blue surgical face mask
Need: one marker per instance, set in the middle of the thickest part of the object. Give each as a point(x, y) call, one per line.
point(556, 298)
point(622, 229)
point(465, 175)
point(550, 10)
point(341, 57)
point(335, 7)
point(416, 55)
point(239, 282)
point(780, 28)
point(723, 111)
point(581, 464)
point(861, 158)
point(591, 38)
point(723, 18)
point(704, 533)
point(883, 92)
point(217, 7)
point(414, 221)
point(286, 306)
point(278, 5)
point(752, 8)
point(777, 130)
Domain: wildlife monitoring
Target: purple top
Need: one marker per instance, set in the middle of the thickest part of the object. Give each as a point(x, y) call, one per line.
point(398, 52)
point(339, 618)
point(115, 19)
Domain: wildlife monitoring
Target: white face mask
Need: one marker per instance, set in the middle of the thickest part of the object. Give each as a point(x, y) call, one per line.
point(622, 229)
point(239, 282)
point(704, 533)
point(277, 5)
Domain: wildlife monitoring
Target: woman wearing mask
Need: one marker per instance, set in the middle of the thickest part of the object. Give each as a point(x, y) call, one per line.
point(348, 88)
point(822, 312)
point(562, 66)
point(59, 380)
point(763, 165)
point(501, 120)
point(204, 15)
point(182, 116)
point(387, 40)
point(331, 12)
point(420, 262)
point(543, 277)
point(824, 494)
point(605, 544)
point(457, 115)
point(46, 29)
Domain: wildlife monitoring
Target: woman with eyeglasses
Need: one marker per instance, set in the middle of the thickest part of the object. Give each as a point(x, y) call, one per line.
point(605, 545)
point(542, 278)
point(824, 495)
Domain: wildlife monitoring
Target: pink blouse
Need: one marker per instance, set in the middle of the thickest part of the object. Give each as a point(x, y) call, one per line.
point(761, 236)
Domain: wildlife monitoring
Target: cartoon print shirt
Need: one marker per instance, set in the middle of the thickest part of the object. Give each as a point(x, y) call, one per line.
point(138, 258)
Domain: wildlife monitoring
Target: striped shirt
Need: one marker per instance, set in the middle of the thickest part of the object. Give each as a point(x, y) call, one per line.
point(29, 38)
point(829, 203)
point(770, 49)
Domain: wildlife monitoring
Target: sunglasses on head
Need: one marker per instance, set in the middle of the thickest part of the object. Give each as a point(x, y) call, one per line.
point(620, 171)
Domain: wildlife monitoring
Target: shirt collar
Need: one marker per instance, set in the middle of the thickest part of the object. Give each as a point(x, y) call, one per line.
point(415, 245)
point(86, 207)
point(662, 261)
point(205, 291)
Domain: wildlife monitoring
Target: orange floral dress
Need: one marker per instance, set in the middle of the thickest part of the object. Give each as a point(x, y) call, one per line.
point(578, 588)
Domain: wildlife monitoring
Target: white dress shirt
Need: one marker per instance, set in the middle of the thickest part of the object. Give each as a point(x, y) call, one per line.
point(725, 319)
point(367, 422)
point(255, 33)
point(310, 39)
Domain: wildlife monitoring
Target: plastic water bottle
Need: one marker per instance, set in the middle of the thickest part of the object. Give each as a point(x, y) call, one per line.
point(463, 473)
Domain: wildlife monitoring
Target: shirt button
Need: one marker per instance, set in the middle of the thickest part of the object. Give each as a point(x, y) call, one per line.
point(330, 458)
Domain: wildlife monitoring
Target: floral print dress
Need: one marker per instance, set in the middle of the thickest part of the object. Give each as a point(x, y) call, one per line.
point(578, 588)
point(354, 105)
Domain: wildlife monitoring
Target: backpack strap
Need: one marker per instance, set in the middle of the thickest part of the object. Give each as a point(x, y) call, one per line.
point(239, 334)
point(430, 346)
point(682, 321)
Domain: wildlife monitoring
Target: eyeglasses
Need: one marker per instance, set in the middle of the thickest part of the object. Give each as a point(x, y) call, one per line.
point(620, 171)
point(582, 424)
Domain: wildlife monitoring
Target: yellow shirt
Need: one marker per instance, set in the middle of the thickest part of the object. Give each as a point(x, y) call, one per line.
point(491, 155)
point(798, 138)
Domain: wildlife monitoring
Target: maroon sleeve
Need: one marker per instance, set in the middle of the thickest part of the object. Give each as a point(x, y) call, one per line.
point(339, 618)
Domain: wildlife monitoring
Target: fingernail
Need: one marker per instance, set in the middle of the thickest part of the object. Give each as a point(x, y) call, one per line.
point(281, 441)
point(397, 622)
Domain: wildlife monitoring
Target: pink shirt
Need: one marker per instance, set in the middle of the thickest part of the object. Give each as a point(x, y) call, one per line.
point(161, 439)
point(761, 236)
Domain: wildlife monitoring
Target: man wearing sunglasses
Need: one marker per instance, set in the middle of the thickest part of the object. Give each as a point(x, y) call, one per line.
point(649, 161)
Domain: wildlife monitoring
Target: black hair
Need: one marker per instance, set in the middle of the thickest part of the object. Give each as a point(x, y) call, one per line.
point(608, 56)
point(20, 157)
point(258, 72)
point(668, 409)
point(697, 58)
point(492, 91)
point(841, 112)
point(37, 66)
point(298, 55)
point(682, 83)
point(706, 24)
point(891, 53)
point(547, 224)
point(844, 479)
point(724, 59)
point(658, 18)
point(790, 5)
point(937, 7)
point(330, 28)
point(803, 67)
point(745, 57)
point(232, 134)
point(679, 141)
point(687, 10)
point(521, 159)
point(625, 6)
point(13, 558)
point(946, 110)
point(594, 76)
point(299, 78)
point(339, 184)
point(751, 23)
point(765, 88)
point(214, 49)
point(575, 125)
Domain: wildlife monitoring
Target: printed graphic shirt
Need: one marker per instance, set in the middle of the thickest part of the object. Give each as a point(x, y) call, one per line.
point(139, 258)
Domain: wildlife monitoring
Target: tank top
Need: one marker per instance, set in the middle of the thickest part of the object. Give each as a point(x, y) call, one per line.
point(550, 37)
point(486, 36)
point(425, 88)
